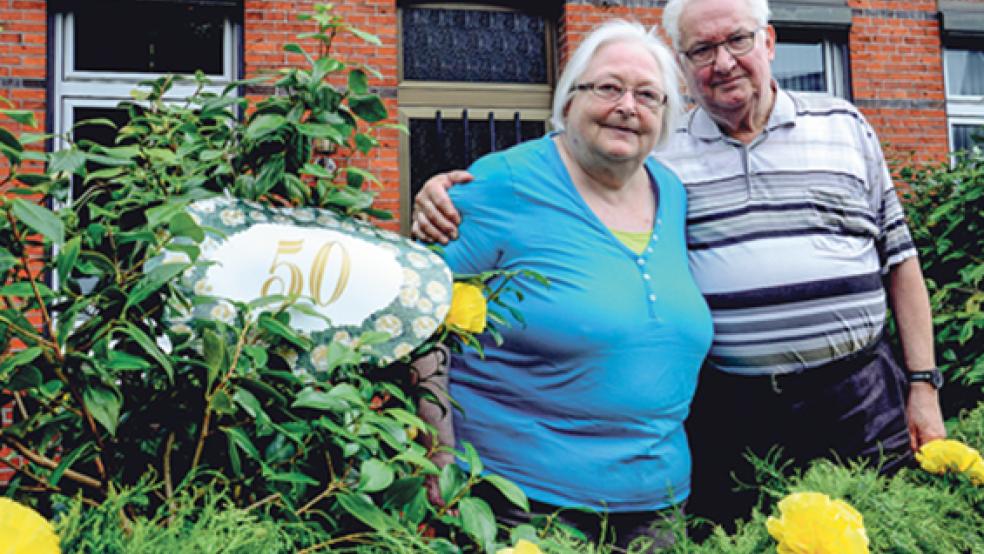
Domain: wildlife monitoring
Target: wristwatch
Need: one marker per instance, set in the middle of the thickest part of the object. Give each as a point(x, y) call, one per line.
point(931, 376)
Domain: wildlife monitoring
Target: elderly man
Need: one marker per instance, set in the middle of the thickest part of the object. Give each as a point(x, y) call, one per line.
point(798, 242)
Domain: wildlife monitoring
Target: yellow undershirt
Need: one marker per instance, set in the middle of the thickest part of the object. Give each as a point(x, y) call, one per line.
point(636, 241)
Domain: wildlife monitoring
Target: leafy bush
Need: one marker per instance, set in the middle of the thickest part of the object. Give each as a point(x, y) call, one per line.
point(945, 209)
point(109, 397)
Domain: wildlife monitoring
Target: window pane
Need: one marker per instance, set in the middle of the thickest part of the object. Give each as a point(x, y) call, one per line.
point(473, 46)
point(799, 66)
point(439, 144)
point(965, 136)
point(149, 37)
point(965, 72)
point(100, 134)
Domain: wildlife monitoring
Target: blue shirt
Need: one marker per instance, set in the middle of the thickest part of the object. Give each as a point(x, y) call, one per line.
point(584, 404)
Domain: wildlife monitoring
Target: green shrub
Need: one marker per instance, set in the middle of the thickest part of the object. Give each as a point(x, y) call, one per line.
point(109, 397)
point(945, 208)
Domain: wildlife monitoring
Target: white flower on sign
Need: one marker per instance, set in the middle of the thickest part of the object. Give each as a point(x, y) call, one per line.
point(417, 260)
point(223, 311)
point(343, 338)
point(391, 324)
point(181, 329)
point(327, 220)
point(442, 311)
point(281, 218)
point(256, 215)
point(424, 326)
point(232, 217)
point(402, 349)
point(425, 305)
point(205, 206)
point(410, 278)
point(303, 214)
point(409, 296)
point(203, 287)
point(437, 291)
point(319, 357)
point(209, 244)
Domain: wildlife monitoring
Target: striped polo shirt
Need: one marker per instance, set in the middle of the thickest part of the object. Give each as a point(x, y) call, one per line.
point(790, 236)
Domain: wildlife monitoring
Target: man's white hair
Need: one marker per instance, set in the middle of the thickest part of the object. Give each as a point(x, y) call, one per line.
point(757, 9)
point(619, 30)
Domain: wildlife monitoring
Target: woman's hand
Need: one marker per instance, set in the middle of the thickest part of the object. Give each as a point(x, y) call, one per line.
point(435, 218)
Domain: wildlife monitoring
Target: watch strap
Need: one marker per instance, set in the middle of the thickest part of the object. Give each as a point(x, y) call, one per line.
point(931, 376)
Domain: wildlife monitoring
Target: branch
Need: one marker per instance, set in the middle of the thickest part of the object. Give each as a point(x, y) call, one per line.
point(44, 461)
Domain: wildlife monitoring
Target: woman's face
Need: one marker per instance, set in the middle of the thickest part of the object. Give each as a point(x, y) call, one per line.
point(622, 130)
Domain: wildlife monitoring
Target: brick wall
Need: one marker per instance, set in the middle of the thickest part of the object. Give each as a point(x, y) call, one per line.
point(268, 25)
point(23, 75)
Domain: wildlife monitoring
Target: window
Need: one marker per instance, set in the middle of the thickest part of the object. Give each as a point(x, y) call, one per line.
point(963, 64)
point(473, 79)
point(812, 60)
point(101, 53)
point(811, 45)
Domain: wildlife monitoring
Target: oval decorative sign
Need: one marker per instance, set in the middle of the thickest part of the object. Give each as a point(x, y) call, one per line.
point(347, 276)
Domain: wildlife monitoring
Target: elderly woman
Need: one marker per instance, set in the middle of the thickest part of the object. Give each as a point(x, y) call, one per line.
point(584, 404)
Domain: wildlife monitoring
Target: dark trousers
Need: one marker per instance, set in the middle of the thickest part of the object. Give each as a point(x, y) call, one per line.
point(619, 528)
point(849, 409)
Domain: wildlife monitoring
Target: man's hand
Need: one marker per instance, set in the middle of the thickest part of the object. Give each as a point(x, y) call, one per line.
point(432, 483)
point(924, 415)
point(435, 218)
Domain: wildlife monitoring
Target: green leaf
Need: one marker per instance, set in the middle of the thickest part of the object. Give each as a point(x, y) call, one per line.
point(364, 143)
point(40, 219)
point(250, 404)
point(18, 359)
point(153, 281)
point(215, 355)
point(69, 160)
point(451, 481)
point(276, 327)
point(357, 82)
point(368, 37)
point(263, 125)
point(183, 225)
point(29, 377)
point(509, 489)
point(7, 260)
point(238, 437)
point(478, 521)
point(318, 400)
point(119, 360)
point(369, 107)
point(295, 477)
point(365, 511)
point(24, 289)
point(149, 346)
point(67, 257)
point(402, 492)
point(222, 403)
point(24, 117)
point(471, 458)
point(104, 405)
point(68, 461)
point(375, 475)
point(158, 215)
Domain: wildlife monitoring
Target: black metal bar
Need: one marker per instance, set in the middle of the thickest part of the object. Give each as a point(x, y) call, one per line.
point(492, 132)
point(439, 125)
point(467, 142)
point(519, 128)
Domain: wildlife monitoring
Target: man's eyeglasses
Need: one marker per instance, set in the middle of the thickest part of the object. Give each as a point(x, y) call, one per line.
point(612, 91)
point(737, 44)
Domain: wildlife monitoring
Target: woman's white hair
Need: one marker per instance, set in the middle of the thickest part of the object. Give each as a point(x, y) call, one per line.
point(757, 9)
point(620, 30)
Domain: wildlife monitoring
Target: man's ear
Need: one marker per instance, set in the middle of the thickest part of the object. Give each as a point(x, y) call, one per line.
point(770, 41)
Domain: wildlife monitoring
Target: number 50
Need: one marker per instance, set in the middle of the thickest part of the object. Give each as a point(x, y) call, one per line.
point(316, 275)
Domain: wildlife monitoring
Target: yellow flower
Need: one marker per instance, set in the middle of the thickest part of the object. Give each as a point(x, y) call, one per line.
point(25, 531)
point(523, 546)
point(812, 523)
point(942, 455)
point(467, 308)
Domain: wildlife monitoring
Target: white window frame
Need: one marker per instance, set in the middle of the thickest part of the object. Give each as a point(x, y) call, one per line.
point(77, 88)
point(961, 109)
point(835, 63)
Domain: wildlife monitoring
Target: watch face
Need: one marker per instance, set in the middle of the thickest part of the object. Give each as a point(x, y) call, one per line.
point(936, 378)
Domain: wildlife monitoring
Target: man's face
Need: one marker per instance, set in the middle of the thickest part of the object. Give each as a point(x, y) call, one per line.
point(730, 84)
